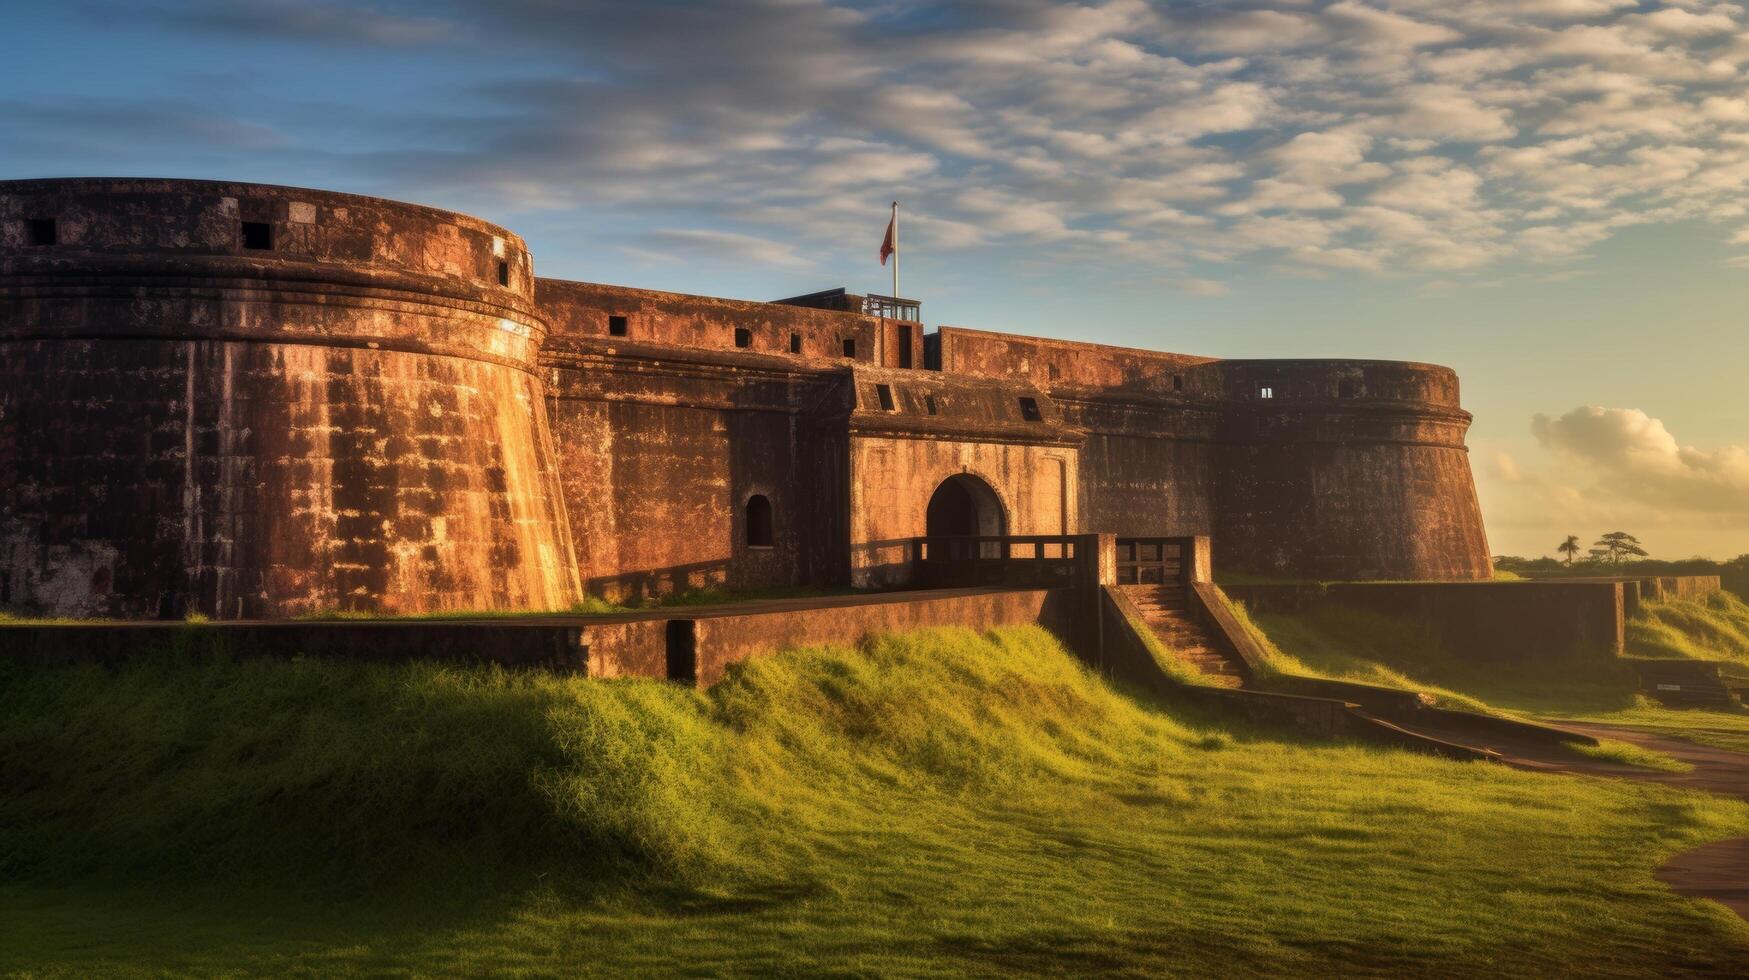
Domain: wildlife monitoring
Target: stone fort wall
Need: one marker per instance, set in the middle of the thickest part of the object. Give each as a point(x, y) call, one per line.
point(244, 401)
point(1340, 469)
point(346, 417)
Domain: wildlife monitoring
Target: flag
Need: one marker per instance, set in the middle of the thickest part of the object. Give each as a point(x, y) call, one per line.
point(888, 246)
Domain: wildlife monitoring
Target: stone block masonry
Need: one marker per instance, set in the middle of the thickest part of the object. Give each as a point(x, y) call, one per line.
point(692, 646)
point(346, 419)
point(1487, 622)
point(240, 401)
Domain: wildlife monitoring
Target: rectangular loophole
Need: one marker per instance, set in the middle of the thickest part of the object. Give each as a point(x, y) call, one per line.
point(743, 337)
point(885, 394)
point(257, 235)
point(1029, 410)
point(850, 347)
point(616, 326)
point(42, 231)
point(795, 343)
point(503, 273)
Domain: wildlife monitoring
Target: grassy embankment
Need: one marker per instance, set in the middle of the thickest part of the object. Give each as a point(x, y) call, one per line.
point(935, 803)
point(1351, 644)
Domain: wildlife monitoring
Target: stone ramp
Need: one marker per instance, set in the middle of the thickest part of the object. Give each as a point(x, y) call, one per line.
point(1164, 609)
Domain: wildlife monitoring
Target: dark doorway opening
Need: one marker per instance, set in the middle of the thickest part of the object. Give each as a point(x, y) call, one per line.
point(682, 651)
point(759, 525)
point(963, 506)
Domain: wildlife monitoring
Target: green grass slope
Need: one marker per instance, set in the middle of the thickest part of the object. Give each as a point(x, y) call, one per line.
point(1714, 628)
point(1329, 640)
point(938, 803)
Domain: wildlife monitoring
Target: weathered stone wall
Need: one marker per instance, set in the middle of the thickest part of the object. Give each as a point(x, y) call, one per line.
point(586, 309)
point(1147, 464)
point(353, 413)
point(1147, 467)
point(892, 480)
point(725, 640)
point(1347, 470)
point(1051, 363)
point(659, 452)
point(666, 431)
point(941, 426)
point(1484, 622)
point(1352, 469)
point(625, 645)
point(345, 419)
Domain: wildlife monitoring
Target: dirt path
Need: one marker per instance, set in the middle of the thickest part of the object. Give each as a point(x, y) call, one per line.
point(1715, 770)
point(1717, 871)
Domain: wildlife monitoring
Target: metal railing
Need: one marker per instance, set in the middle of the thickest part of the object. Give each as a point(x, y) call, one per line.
point(892, 307)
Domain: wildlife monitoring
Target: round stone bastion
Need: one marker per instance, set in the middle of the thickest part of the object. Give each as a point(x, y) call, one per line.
point(240, 400)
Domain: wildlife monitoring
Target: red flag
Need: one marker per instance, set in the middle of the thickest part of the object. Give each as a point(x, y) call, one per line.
point(887, 246)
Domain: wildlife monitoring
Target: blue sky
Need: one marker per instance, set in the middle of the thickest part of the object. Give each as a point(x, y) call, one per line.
point(1547, 195)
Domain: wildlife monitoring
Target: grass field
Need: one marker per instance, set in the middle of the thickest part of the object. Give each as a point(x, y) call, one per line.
point(939, 803)
point(1351, 644)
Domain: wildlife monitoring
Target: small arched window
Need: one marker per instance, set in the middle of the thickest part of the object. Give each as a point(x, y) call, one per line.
point(759, 532)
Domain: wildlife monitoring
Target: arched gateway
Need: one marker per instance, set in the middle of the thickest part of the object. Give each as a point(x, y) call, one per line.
point(963, 506)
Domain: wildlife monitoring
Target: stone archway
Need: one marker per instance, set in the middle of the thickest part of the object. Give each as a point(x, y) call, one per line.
point(962, 506)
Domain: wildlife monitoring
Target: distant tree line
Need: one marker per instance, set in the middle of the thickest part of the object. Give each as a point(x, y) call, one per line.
point(1620, 553)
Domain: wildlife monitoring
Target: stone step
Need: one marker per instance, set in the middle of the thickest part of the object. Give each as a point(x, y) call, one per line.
point(1189, 641)
point(1690, 696)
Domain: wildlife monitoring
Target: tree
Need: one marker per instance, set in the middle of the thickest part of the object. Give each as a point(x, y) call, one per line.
point(1617, 547)
point(1569, 547)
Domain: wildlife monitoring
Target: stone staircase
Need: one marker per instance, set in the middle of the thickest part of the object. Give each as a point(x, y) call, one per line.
point(1164, 609)
point(1686, 683)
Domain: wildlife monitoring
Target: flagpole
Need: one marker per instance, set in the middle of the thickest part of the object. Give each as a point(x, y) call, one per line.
point(895, 249)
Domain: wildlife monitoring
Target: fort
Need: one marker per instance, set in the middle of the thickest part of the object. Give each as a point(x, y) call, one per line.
point(247, 401)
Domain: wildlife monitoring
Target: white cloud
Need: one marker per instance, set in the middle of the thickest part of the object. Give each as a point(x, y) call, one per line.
point(1446, 112)
point(723, 247)
point(1639, 458)
point(1372, 25)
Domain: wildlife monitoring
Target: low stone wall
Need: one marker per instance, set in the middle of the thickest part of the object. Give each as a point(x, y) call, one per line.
point(1687, 587)
point(637, 644)
point(1496, 622)
point(512, 643)
point(1651, 587)
point(724, 640)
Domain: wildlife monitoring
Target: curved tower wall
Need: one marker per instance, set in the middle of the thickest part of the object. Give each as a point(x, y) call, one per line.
point(1349, 470)
point(347, 419)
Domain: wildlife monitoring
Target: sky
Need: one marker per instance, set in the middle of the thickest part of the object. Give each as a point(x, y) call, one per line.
point(1551, 196)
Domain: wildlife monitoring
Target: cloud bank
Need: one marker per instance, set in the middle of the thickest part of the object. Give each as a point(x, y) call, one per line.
point(1603, 469)
point(1450, 138)
point(1636, 457)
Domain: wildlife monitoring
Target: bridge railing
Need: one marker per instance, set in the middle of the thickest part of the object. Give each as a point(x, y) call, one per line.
point(1021, 560)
